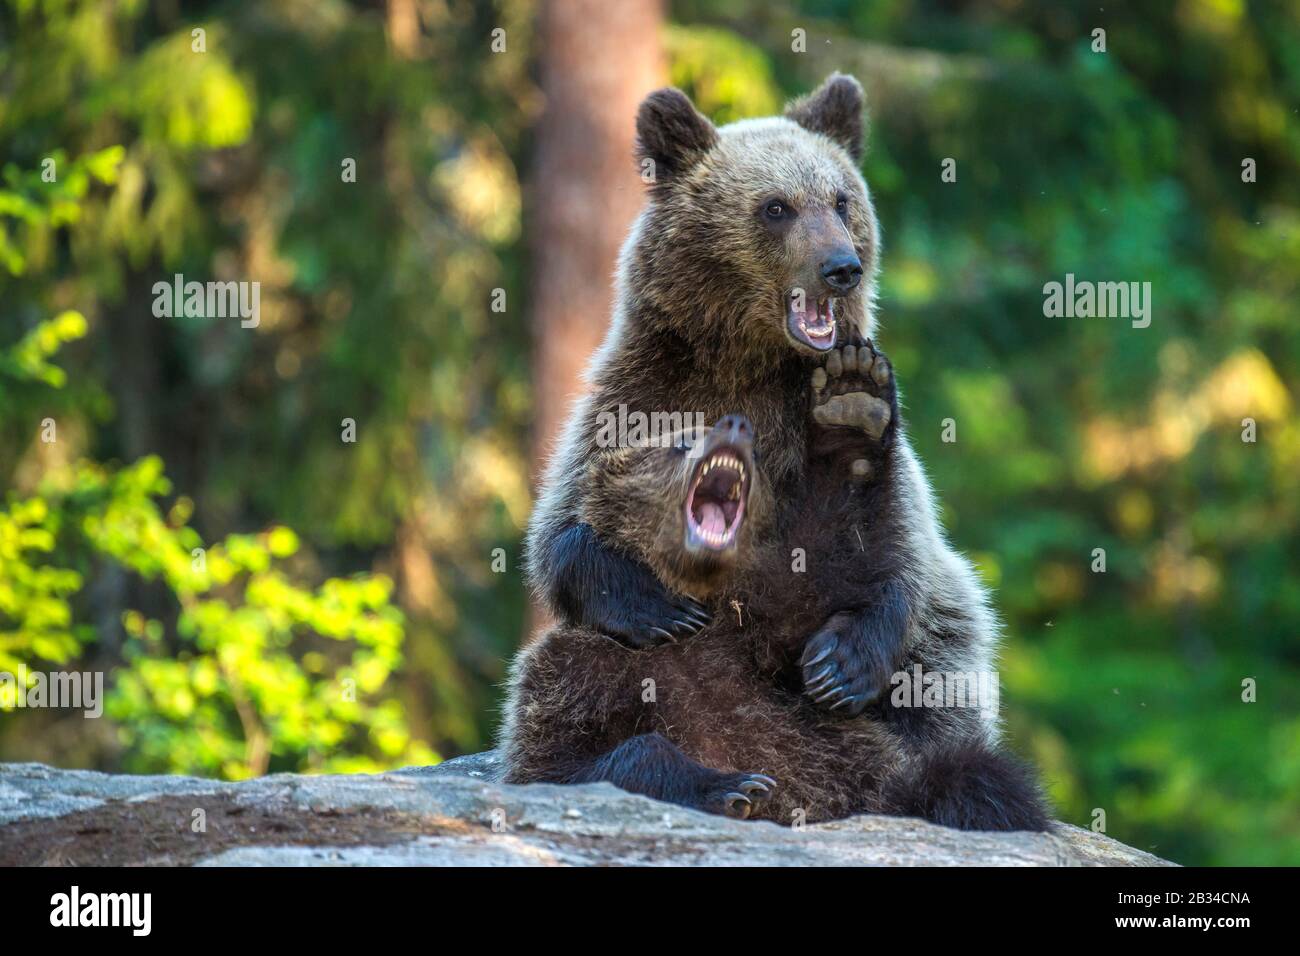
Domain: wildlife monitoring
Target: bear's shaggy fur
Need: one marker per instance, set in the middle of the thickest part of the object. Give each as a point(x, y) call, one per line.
point(718, 721)
point(841, 575)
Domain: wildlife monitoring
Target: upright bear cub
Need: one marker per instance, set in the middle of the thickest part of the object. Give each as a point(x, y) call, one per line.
point(745, 289)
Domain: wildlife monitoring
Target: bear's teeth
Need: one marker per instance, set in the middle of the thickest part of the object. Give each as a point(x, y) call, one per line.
point(817, 331)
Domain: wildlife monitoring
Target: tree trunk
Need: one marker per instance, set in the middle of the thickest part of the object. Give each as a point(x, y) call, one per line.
point(597, 60)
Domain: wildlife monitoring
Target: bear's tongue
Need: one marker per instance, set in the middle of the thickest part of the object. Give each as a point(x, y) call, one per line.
point(711, 518)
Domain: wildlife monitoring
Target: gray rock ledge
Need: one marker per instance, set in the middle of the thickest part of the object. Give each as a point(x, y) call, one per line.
point(455, 814)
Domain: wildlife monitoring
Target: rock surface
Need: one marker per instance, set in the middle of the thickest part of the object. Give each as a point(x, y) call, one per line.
point(455, 814)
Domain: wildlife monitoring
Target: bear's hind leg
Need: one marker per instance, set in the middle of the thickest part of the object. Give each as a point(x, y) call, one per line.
point(968, 785)
point(651, 765)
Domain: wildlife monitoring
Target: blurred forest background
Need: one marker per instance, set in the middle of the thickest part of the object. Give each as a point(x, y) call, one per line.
point(181, 510)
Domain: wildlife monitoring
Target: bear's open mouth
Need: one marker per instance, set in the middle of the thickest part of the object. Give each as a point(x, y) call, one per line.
point(815, 326)
point(715, 500)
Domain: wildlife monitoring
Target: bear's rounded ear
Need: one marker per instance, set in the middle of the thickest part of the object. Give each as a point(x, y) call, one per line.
point(834, 109)
point(671, 134)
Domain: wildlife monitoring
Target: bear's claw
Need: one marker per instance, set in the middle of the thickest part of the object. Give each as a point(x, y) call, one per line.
point(744, 793)
point(837, 676)
point(658, 617)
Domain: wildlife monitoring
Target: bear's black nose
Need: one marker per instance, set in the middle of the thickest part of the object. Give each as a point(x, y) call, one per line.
point(736, 428)
point(842, 272)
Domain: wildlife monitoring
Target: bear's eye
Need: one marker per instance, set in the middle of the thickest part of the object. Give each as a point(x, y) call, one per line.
point(775, 209)
point(842, 204)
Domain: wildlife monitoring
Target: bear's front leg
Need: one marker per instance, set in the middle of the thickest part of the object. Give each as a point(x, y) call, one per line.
point(595, 586)
point(848, 663)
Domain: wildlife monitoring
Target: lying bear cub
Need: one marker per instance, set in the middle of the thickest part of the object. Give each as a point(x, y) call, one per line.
point(719, 721)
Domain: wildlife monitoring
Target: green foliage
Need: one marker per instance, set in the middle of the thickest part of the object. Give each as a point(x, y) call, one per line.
point(256, 679)
point(28, 361)
point(374, 305)
point(261, 672)
point(35, 617)
point(35, 204)
point(725, 76)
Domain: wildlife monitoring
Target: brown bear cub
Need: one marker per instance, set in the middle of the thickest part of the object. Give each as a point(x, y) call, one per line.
point(797, 591)
point(714, 722)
